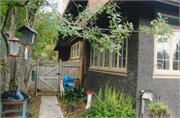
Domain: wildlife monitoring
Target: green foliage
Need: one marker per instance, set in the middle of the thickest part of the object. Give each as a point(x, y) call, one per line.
point(159, 27)
point(97, 36)
point(20, 14)
point(158, 109)
point(157, 105)
point(71, 95)
point(46, 26)
point(49, 26)
point(32, 111)
point(113, 104)
point(84, 99)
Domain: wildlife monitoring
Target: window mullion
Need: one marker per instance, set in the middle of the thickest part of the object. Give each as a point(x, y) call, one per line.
point(103, 57)
point(110, 60)
point(122, 55)
point(117, 60)
point(126, 53)
point(171, 54)
point(93, 57)
point(98, 61)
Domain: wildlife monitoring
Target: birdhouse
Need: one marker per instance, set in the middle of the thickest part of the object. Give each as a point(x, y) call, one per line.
point(28, 35)
point(14, 47)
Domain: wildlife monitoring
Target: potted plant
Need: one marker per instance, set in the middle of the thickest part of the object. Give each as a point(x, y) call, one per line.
point(158, 110)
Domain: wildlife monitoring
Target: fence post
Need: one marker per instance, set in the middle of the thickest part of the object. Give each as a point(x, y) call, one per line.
point(59, 77)
point(37, 76)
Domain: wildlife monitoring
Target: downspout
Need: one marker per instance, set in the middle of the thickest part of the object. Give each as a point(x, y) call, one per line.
point(141, 100)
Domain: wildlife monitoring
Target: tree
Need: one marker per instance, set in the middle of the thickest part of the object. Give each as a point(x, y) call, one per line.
point(84, 26)
point(21, 13)
point(47, 35)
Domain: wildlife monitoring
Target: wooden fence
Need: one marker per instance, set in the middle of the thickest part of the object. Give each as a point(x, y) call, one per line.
point(49, 73)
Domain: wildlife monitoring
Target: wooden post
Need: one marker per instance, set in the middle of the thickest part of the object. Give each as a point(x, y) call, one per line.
point(37, 77)
point(24, 109)
point(59, 77)
point(0, 90)
point(60, 70)
point(0, 77)
point(81, 69)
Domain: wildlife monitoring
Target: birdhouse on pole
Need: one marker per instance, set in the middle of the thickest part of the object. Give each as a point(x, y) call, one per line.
point(28, 35)
point(14, 47)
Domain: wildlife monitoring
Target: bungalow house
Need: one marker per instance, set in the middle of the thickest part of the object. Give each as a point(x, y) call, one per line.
point(144, 64)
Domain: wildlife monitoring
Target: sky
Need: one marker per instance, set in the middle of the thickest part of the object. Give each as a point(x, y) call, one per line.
point(59, 6)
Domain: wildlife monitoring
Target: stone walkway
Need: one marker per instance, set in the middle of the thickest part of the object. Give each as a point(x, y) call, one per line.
point(49, 108)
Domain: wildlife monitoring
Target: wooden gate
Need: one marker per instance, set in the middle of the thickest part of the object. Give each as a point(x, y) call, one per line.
point(73, 69)
point(49, 74)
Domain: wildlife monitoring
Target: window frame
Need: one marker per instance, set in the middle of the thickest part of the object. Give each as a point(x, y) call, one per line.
point(170, 73)
point(110, 69)
point(74, 53)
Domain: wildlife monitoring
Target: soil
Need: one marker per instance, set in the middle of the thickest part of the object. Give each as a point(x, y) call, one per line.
point(72, 110)
point(34, 106)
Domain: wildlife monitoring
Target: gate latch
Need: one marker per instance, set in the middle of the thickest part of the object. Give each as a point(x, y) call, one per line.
point(58, 74)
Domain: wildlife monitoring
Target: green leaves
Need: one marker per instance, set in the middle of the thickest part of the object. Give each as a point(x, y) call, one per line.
point(159, 28)
point(158, 109)
point(112, 105)
point(95, 35)
point(47, 27)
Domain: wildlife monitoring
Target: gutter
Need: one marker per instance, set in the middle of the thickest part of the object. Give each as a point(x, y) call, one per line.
point(171, 2)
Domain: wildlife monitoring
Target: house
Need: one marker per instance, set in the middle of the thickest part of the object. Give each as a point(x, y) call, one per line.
point(144, 64)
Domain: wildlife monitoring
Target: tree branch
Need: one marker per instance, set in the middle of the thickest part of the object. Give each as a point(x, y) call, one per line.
point(26, 2)
point(3, 33)
point(69, 23)
point(57, 13)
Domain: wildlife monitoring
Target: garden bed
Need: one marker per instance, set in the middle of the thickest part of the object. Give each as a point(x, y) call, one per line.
point(34, 106)
point(72, 109)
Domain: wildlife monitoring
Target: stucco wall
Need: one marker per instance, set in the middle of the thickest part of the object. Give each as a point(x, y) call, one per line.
point(168, 89)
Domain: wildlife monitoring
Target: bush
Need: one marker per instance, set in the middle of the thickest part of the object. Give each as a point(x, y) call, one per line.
point(84, 99)
point(112, 105)
point(73, 94)
point(158, 110)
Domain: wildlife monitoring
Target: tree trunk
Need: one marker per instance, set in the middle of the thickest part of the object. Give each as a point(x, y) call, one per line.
point(23, 70)
point(20, 68)
point(7, 69)
point(12, 59)
point(8, 61)
point(16, 69)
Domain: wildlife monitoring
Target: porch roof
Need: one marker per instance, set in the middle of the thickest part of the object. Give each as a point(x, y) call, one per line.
point(60, 43)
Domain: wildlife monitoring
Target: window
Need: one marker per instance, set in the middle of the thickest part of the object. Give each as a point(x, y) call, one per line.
point(75, 51)
point(167, 57)
point(109, 62)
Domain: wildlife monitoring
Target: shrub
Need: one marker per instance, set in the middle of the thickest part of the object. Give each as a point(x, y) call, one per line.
point(73, 94)
point(84, 99)
point(32, 111)
point(158, 110)
point(113, 105)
